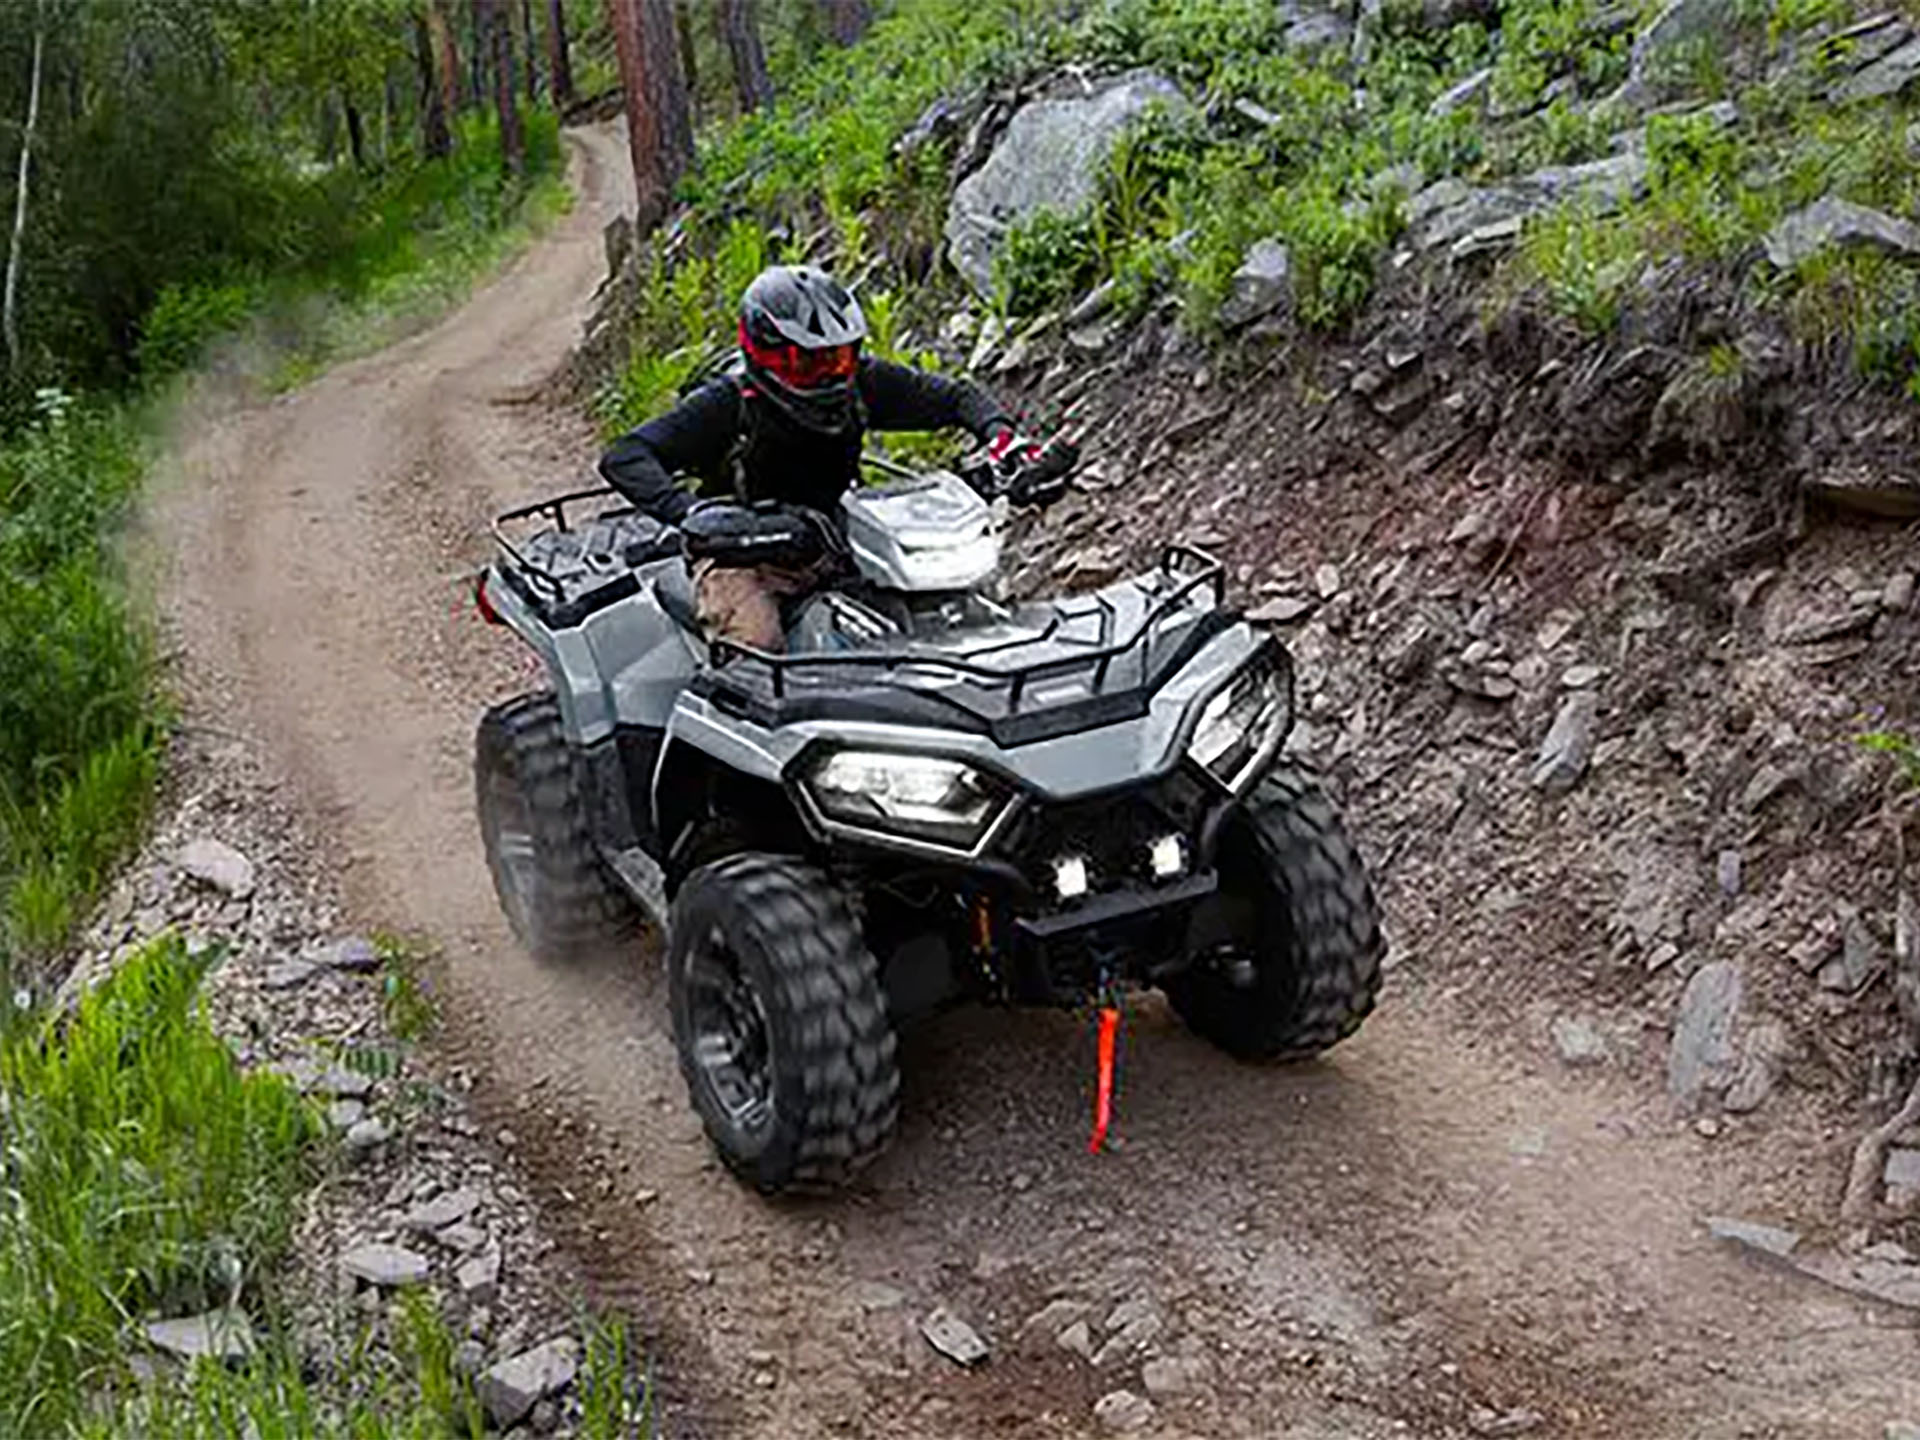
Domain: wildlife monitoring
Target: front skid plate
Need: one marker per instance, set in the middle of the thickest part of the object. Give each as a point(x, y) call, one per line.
point(642, 877)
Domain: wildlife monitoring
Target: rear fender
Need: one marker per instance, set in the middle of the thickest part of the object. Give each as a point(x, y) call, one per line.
point(571, 673)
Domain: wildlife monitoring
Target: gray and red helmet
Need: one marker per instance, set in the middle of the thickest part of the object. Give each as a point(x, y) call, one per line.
point(800, 331)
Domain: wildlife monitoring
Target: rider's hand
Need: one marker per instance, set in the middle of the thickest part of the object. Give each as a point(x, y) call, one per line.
point(1009, 450)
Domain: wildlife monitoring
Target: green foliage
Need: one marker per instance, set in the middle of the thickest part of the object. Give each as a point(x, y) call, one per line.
point(1045, 260)
point(1902, 747)
point(144, 1170)
point(1542, 40)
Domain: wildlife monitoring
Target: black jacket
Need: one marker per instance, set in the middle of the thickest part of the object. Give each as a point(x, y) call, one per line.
point(779, 460)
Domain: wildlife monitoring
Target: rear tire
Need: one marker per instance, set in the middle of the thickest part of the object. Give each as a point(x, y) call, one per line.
point(560, 900)
point(780, 1022)
point(1314, 946)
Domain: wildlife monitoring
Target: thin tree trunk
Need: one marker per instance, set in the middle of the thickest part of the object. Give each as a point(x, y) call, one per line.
point(453, 97)
point(532, 51)
point(389, 115)
point(496, 23)
point(559, 62)
point(356, 132)
point(480, 53)
point(659, 132)
point(846, 20)
point(740, 28)
point(435, 139)
point(10, 307)
point(689, 61)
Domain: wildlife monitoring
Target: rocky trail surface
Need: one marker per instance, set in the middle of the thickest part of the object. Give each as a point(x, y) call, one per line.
point(1442, 1229)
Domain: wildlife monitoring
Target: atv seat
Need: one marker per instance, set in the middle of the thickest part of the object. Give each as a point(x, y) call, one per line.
point(673, 588)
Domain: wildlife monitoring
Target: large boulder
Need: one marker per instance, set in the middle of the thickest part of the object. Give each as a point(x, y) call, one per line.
point(1833, 222)
point(1048, 159)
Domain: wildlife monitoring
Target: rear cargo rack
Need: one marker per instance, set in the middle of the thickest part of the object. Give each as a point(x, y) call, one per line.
point(553, 509)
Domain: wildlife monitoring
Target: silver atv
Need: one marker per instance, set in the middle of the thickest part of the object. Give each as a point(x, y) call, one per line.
point(934, 795)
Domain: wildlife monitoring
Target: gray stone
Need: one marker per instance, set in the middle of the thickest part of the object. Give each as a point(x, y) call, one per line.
point(386, 1266)
point(345, 1114)
point(1764, 1050)
point(342, 1082)
point(1469, 91)
point(1324, 31)
point(443, 1210)
point(1703, 1056)
point(479, 1277)
point(1578, 1041)
point(464, 1238)
point(1751, 1235)
point(1282, 610)
point(1898, 594)
point(1581, 677)
point(1832, 221)
point(545, 1418)
point(1901, 1430)
point(1326, 581)
point(1076, 1339)
point(1042, 1328)
point(1888, 75)
point(1166, 1375)
point(469, 1356)
point(354, 953)
point(217, 864)
point(1121, 1411)
point(225, 1334)
point(1568, 748)
point(1679, 23)
point(1859, 959)
point(1262, 286)
point(1726, 871)
point(289, 974)
point(953, 1337)
point(1903, 1169)
point(1049, 158)
point(511, 1389)
point(366, 1135)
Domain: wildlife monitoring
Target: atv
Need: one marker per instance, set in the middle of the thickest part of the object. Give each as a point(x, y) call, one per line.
point(935, 794)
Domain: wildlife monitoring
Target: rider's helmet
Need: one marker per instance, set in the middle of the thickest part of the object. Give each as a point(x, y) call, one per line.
point(800, 331)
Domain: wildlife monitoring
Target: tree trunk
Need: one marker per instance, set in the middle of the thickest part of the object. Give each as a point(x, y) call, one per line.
point(481, 51)
point(559, 62)
point(531, 48)
point(496, 23)
point(435, 139)
point(689, 62)
point(659, 131)
point(846, 20)
point(10, 307)
point(740, 28)
point(453, 97)
point(356, 132)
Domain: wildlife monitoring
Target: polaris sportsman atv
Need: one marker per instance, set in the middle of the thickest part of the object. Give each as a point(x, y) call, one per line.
point(933, 795)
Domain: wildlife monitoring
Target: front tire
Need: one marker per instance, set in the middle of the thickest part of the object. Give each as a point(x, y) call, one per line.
point(1304, 968)
point(559, 899)
point(780, 1022)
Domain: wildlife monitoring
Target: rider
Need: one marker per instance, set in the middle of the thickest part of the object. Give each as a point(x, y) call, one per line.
point(789, 428)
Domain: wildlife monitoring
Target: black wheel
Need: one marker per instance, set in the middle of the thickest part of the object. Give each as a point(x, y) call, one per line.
point(1302, 967)
point(559, 898)
point(780, 1022)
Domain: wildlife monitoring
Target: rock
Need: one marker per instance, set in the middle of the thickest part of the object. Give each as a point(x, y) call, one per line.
point(1578, 1041)
point(225, 1334)
point(1901, 1430)
point(1326, 581)
point(1261, 286)
point(1832, 221)
point(545, 1418)
point(1470, 91)
point(365, 1135)
point(1764, 1051)
point(462, 1237)
point(1166, 1375)
point(1282, 610)
point(1049, 158)
point(1726, 872)
point(217, 864)
point(1581, 677)
point(1702, 1057)
point(345, 1114)
point(442, 1210)
point(1750, 1235)
point(1906, 959)
point(953, 1337)
point(875, 1295)
point(1858, 961)
point(469, 1356)
point(511, 1389)
point(1898, 594)
point(355, 954)
point(289, 974)
point(1889, 75)
point(1903, 1168)
point(479, 1277)
point(387, 1266)
point(1565, 753)
point(1092, 305)
point(1510, 1422)
point(1121, 1411)
point(1132, 1326)
point(1765, 783)
point(1322, 31)
point(1043, 1328)
point(1076, 1339)
point(1680, 22)
point(341, 1082)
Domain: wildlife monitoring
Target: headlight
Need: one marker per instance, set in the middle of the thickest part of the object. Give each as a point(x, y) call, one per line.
point(1244, 719)
point(926, 797)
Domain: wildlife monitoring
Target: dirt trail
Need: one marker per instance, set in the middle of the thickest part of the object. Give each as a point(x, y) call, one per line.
point(1380, 1244)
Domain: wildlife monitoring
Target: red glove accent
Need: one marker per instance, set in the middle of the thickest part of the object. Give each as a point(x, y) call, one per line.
point(1008, 443)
